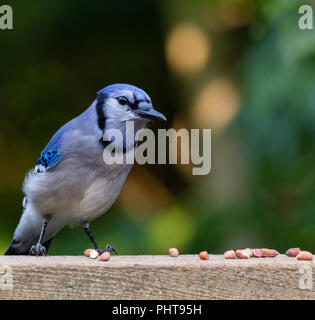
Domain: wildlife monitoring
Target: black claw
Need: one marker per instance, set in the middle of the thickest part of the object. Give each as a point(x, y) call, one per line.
point(109, 249)
point(38, 250)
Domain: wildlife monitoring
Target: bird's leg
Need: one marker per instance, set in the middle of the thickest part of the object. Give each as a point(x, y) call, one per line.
point(108, 247)
point(85, 226)
point(39, 249)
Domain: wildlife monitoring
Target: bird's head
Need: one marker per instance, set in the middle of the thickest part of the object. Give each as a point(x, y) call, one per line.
point(124, 102)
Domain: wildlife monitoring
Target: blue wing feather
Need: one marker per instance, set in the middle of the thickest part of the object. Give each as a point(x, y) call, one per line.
point(47, 159)
point(52, 154)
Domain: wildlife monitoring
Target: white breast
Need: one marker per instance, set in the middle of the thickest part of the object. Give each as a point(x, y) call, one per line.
point(101, 195)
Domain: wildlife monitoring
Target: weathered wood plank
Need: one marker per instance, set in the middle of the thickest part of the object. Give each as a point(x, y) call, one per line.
point(156, 277)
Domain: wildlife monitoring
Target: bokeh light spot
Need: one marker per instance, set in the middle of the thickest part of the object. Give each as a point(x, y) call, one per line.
point(187, 48)
point(216, 105)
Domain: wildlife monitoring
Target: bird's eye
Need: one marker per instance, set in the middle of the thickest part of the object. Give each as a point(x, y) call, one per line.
point(122, 100)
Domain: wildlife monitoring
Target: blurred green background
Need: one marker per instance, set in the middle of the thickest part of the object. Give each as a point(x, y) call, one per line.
point(240, 67)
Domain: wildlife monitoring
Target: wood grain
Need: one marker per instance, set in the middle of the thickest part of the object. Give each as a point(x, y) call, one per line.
point(156, 277)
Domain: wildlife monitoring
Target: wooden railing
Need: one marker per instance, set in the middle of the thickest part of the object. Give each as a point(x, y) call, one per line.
point(155, 277)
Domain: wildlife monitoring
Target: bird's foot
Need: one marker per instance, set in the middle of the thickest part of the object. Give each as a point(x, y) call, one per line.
point(109, 249)
point(38, 250)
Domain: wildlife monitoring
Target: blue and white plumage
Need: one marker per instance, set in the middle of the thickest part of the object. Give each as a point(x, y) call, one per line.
point(71, 184)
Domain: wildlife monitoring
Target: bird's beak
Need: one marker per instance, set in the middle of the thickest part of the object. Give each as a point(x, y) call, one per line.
point(151, 114)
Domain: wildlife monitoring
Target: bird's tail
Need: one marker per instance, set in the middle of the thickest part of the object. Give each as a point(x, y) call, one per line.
point(12, 251)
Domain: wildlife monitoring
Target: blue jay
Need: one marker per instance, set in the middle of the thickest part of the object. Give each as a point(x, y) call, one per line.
point(71, 184)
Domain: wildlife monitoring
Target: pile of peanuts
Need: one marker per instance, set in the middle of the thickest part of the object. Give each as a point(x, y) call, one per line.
point(248, 253)
point(93, 254)
point(267, 253)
